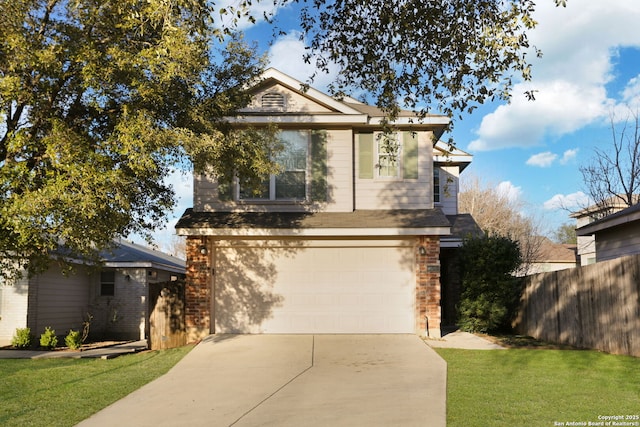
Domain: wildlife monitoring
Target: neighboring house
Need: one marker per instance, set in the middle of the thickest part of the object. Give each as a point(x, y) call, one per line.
point(615, 235)
point(587, 244)
point(349, 238)
point(552, 256)
point(116, 295)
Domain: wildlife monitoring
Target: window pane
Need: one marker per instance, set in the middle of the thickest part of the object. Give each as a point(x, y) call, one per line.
point(107, 283)
point(290, 184)
point(261, 192)
point(388, 166)
point(108, 276)
point(388, 156)
point(107, 289)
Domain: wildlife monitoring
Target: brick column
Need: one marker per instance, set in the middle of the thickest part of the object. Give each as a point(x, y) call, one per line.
point(198, 288)
point(428, 311)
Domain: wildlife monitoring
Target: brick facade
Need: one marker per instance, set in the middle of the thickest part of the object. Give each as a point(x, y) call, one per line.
point(428, 311)
point(198, 289)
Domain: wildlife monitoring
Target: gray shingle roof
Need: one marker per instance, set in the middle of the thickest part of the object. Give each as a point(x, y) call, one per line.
point(126, 253)
point(361, 219)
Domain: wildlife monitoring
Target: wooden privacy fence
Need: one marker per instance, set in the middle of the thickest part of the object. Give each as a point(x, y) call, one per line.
point(166, 320)
point(595, 306)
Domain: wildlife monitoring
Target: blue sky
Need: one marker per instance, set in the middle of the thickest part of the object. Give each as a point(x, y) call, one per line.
point(590, 71)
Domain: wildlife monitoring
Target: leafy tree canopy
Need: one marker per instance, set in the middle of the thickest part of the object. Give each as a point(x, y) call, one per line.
point(450, 55)
point(99, 101)
point(566, 233)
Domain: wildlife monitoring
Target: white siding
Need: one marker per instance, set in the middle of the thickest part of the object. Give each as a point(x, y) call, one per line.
point(339, 184)
point(14, 298)
point(449, 188)
point(587, 249)
point(398, 193)
point(340, 171)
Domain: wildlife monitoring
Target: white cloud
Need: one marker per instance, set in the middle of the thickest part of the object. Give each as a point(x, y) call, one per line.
point(508, 190)
point(569, 155)
point(571, 201)
point(286, 55)
point(543, 160)
point(579, 45)
point(631, 93)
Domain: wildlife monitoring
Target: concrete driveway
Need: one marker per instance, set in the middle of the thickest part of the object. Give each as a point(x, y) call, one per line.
point(293, 380)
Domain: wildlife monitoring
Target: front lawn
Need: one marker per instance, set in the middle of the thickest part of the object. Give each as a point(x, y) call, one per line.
point(63, 392)
point(520, 387)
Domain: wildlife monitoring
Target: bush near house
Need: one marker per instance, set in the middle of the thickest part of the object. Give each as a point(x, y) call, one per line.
point(73, 340)
point(22, 338)
point(489, 291)
point(48, 339)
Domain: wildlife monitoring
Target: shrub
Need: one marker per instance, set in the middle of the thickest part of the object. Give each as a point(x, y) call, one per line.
point(489, 291)
point(481, 314)
point(48, 339)
point(73, 340)
point(22, 338)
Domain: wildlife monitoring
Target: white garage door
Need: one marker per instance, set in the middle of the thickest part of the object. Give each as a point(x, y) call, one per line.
point(314, 290)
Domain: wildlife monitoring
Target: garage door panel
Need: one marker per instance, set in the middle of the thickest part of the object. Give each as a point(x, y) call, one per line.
point(315, 290)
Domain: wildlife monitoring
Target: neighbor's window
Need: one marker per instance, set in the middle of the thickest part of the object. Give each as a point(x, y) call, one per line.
point(388, 155)
point(291, 182)
point(436, 185)
point(107, 283)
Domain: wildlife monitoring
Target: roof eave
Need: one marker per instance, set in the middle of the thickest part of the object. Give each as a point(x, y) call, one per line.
point(144, 264)
point(314, 232)
point(606, 223)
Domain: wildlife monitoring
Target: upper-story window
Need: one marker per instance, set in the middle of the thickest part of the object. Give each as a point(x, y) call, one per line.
point(388, 155)
point(272, 101)
point(291, 182)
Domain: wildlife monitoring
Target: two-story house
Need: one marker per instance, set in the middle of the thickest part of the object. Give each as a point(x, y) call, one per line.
point(346, 239)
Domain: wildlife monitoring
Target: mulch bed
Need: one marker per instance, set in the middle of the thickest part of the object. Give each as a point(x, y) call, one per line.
point(85, 347)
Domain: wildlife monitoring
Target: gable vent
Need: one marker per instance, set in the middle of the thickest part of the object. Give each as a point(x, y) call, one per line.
point(273, 101)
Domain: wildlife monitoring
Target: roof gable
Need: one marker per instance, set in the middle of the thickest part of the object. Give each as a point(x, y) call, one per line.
point(280, 98)
point(297, 97)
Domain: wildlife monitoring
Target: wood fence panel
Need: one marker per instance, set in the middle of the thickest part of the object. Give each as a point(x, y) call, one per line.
point(595, 306)
point(167, 320)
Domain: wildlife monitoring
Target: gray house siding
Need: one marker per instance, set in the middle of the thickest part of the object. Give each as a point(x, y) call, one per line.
point(58, 301)
point(618, 242)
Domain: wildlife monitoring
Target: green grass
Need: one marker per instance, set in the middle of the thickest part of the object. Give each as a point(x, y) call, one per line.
point(520, 387)
point(63, 392)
